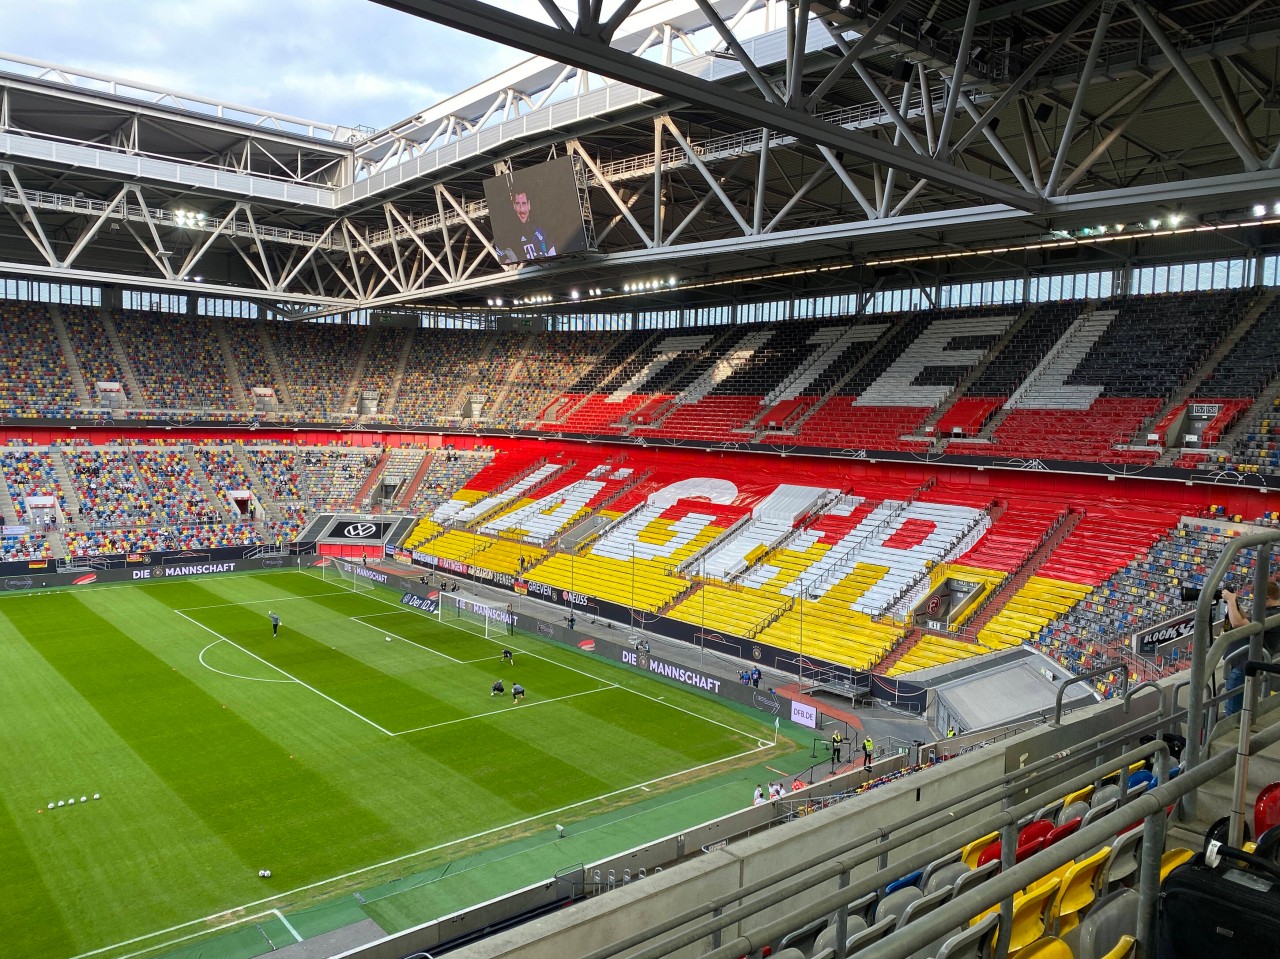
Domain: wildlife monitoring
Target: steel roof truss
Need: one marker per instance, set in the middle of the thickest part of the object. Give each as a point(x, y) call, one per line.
point(706, 175)
point(311, 249)
point(414, 236)
point(845, 178)
point(763, 83)
point(494, 22)
point(1247, 155)
point(698, 207)
point(1147, 90)
point(575, 147)
point(1082, 90)
point(29, 222)
point(957, 79)
point(851, 52)
point(1027, 75)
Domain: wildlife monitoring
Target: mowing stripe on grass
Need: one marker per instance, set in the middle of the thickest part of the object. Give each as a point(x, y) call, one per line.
point(209, 920)
point(500, 712)
point(363, 719)
point(582, 672)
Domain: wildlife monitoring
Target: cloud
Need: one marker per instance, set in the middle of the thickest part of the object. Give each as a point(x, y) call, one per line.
point(336, 61)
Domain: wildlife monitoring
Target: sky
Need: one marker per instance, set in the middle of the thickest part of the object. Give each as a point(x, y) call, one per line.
point(349, 62)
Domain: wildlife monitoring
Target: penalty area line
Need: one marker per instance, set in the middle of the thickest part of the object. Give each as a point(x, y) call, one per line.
point(506, 711)
point(282, 672)
point(384, 632)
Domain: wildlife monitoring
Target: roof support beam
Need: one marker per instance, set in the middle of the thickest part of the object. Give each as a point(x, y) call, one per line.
point(1152, 88)
point(852, 53)
point(1027, 75)
point(1077, 102)
point(501, 26)
point(1250, 159)
point(957, 78)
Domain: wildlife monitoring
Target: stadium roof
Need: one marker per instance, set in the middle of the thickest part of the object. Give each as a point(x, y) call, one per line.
point(743, 148)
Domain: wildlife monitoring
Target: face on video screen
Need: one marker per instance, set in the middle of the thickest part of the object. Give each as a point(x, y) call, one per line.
point(535, 213)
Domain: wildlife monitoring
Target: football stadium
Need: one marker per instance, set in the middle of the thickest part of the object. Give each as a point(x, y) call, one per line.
point(755, 478)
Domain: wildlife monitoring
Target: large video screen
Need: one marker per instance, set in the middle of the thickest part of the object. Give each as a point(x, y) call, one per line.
point(535, 212)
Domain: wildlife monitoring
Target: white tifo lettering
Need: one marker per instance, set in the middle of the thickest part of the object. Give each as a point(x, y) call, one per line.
point(896, 386)
point(891, 566)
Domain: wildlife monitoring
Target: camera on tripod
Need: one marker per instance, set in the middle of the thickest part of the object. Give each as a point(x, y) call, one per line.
point(1191, 594)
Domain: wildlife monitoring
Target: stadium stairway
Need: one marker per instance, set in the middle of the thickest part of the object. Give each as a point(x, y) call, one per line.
point(362, 494)
point(415, 481)
point(1216, 797)
point(994, 603)
point(121, 357)
point(69, 354)
point(908, 642)
point(1210, 363)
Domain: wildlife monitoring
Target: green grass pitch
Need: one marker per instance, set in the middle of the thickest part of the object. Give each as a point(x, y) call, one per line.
point(325, 754)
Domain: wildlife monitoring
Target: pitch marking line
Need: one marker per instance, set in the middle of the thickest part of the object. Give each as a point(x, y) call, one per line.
point(261, 602)
point(598, 679)
point(214, 669)
point(507, 711)
point(525, 652)
point(282, 672)
point(360, 620)
point(236, 921)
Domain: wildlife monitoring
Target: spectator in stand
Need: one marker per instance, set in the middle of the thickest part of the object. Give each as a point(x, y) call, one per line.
point(1239, 616)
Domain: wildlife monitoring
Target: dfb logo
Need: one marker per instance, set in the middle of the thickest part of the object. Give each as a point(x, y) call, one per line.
point(360, 530)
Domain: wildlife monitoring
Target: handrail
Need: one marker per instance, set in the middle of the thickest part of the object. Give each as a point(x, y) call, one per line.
point(804, 876)
point(873, 845)
point(1202, 663)
point(1148, 807)
point(1057, 705)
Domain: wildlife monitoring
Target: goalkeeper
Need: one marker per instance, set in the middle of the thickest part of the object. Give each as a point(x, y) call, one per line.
point(508, 657)
point(497, 688)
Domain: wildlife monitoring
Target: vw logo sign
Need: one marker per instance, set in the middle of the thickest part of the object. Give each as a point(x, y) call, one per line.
point(360, 530)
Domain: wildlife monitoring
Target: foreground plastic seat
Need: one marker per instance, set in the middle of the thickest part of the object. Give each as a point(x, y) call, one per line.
point(1075, 810)
point(1107, 931)
point(1123, 863)
point(896, 902)
point(975, 877)
point(1029, 916)
point(973, 943)
point(827, 938)
point(969, 853)
point(1266, 809)
point(871, 934)
point(1172, 859)
point(1049, 947)
point(944, 877)
point(940, 862)
point(1076, 892)
point(1062, 832)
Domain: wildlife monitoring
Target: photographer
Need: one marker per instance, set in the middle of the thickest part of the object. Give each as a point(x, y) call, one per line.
point(1237, 617)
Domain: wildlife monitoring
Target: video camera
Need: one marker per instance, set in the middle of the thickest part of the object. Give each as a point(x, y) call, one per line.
point(1191, 594)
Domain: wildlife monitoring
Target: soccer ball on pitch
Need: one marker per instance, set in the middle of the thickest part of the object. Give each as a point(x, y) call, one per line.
point(387, 638)
point(97, 795)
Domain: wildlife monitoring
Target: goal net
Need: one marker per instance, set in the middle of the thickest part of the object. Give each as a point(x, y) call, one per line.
point(353, 576)
point(468, 613)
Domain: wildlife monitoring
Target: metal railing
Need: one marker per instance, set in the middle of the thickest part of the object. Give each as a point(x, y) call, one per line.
point(1039, 782)
point(1206, 654)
